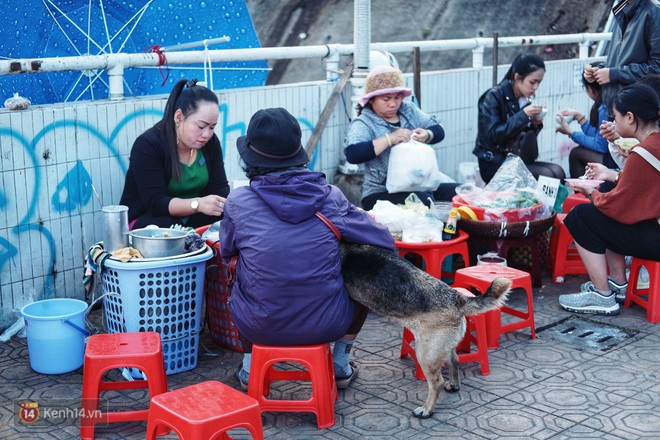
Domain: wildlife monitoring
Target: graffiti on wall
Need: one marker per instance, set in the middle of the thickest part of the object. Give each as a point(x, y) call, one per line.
point(74, 190)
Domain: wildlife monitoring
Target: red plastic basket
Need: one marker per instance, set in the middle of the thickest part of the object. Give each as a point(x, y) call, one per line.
point(221, 325)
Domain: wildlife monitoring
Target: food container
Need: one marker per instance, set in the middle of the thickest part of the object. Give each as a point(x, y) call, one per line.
point(626, 144)
point(511, 214)
point(158, 242)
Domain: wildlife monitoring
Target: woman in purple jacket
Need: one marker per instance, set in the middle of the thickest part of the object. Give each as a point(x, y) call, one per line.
point(289, 289)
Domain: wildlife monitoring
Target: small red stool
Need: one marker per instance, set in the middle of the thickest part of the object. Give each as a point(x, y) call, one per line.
point(564, 259)
point(647, 298)
point(317, 359)
point(480, 278)
point(203, 411)
point(476, 323)
point(573, 200)
point(141, 350)
point(434, 254)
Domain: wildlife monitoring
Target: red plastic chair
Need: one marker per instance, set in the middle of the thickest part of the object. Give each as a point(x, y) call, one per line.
point(317, 360)
point(434, 254)
point(648, 298)
point(141, 350)
point(204, 411)
point(475, 334)
point(564, 258)
point(480, 278)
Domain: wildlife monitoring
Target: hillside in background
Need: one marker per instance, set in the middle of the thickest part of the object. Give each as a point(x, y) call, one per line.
point(315, 22)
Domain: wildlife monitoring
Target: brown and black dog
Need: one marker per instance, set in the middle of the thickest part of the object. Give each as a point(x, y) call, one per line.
point(434, 312)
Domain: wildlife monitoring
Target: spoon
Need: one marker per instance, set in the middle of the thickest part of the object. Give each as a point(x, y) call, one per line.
point(583, 177)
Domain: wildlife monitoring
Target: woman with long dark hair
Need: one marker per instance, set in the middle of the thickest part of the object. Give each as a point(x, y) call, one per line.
point(176, 173)
point(592, 147)
point(505, 112)
point(625, 220)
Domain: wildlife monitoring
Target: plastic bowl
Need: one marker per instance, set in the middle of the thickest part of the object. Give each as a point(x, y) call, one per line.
point(593, 183)
point(626, 143)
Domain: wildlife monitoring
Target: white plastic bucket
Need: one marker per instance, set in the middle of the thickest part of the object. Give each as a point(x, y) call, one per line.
point(490, 258)
point(55, 334)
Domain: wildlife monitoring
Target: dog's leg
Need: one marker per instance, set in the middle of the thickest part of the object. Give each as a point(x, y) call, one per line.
point(430, 355)
point(453, 383)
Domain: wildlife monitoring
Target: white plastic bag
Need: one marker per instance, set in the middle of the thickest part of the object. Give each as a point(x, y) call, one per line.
point(412, 166)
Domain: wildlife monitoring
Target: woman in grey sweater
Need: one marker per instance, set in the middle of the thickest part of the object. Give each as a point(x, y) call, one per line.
point(384, 120)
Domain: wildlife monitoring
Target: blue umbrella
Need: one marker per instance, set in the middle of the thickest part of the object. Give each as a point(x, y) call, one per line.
point(57, 28)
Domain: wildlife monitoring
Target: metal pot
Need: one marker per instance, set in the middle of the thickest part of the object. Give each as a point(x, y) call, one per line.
point(158, 242)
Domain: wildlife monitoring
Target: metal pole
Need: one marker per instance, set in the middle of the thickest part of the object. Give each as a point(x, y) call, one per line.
point(417, 67)
point(495, 53)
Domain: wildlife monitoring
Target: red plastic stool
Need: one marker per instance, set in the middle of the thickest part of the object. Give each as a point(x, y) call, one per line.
point(476, 324)
point(573, 200)
point(317, 359)
point(647, 298)
point(434, 254)
point(203, 411)
point(141, 350)
point(564, 259)
point(480, 278)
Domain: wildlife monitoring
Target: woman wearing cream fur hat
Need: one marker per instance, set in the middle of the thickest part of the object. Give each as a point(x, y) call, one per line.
point(384, 120)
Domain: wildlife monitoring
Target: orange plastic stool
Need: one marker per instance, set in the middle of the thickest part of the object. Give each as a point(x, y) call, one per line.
point(317, 359)
point(564, 259)
point(476, 323)
point(647, 298)
point(434, 254)
point(141, 350)
point(480, 278)
point(203, 411)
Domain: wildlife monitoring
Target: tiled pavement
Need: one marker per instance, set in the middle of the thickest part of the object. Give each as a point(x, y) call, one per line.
point(546, 388)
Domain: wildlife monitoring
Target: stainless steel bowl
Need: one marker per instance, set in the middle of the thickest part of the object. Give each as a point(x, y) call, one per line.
point(158, 242)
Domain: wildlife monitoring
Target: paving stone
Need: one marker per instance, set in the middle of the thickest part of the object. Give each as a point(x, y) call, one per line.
point(538, 389)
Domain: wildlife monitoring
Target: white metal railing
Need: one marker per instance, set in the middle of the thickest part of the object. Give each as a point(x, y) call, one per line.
point(117, 62)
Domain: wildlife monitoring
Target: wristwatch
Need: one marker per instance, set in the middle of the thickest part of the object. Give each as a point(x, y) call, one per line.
point(194, 204)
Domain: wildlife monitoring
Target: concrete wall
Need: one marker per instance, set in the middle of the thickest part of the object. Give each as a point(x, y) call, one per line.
point(51, 155)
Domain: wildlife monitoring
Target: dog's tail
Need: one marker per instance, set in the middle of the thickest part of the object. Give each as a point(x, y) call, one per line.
point(494, 297)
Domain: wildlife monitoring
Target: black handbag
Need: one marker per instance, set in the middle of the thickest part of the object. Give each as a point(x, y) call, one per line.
point(525, 146)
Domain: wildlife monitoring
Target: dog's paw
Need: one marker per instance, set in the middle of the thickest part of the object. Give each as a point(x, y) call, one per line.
point(421, 413)
point(451, 387)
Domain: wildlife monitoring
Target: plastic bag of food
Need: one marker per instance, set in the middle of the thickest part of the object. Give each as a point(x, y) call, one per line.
point(412, 166)
point(511, 195)
point(17, 103)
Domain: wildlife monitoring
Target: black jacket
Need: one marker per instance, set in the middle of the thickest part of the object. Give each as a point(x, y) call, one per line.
point(501, 120)
point(635, 47)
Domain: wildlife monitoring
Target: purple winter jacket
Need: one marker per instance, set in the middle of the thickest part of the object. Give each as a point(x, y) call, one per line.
point(289, 289)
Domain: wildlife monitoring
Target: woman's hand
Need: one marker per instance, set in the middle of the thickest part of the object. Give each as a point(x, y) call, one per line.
point(212, 205)
point(598, 171)
point(422, 135)
point(608, 131)
point(563, 127)
point(400, 135)
point(582, 188)
point(534, 112)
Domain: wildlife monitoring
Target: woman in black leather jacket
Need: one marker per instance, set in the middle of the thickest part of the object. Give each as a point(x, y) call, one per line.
point(505, 111)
